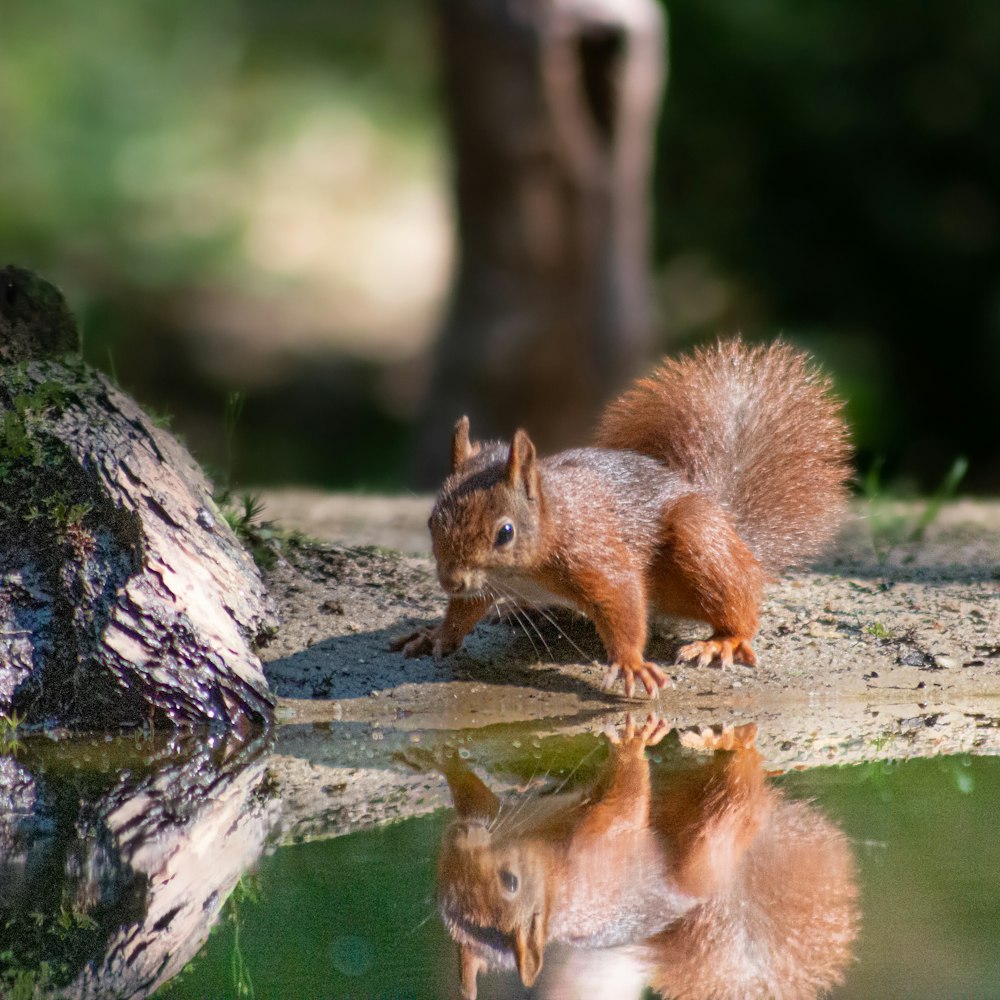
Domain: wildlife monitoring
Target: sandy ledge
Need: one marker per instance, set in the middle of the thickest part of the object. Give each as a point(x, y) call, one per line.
point(887, 648)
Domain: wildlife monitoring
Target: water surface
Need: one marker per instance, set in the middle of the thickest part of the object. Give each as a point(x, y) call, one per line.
point(154, 867)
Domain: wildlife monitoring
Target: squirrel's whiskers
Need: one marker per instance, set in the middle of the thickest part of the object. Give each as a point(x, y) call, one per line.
point(709, 477)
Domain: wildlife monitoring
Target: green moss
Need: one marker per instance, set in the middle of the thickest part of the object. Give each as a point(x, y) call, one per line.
point(44, 490)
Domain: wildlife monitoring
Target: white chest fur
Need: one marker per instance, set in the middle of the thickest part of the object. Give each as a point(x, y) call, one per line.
point(525, 591)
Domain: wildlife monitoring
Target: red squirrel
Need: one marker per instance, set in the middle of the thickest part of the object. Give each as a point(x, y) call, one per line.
point(707, 883)
point(708, 477)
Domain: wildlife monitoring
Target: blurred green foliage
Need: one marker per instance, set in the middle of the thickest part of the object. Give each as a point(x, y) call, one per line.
point(827, 169)
point(127, 124)
point(120, 117)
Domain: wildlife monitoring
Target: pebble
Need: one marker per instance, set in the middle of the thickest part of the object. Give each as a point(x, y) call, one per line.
point(945, 662)
point(818, 631)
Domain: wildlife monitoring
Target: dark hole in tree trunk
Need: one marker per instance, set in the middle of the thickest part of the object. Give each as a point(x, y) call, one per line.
point(600, 49)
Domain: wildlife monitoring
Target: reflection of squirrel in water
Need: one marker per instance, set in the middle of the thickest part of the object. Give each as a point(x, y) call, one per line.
point(712, 474)
point(720, 886)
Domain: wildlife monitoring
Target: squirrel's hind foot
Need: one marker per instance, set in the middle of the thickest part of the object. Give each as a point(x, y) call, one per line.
point(725, 737)
point(652, 677)
point(727, 649)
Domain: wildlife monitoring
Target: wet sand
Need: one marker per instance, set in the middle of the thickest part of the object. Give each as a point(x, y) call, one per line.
point(888, 647)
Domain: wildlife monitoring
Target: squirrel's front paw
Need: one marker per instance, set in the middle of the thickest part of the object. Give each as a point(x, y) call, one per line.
point(634, 742)
point(725, 648)
point(652, 677)
point(426, 641)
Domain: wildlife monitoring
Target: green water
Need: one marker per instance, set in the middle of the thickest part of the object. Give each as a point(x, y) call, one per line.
point(348, 917)
point(337, 918)
point(354, 915)
point(925, 833)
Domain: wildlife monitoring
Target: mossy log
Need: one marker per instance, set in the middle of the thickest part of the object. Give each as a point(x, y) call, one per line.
point(124, 594)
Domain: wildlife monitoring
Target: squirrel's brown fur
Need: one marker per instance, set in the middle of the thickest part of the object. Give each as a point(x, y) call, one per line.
point(753, 427)
point(719, 886)
point(710, 475)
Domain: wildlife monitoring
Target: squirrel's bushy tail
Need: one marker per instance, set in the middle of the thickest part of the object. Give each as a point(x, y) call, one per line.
point(754, 426)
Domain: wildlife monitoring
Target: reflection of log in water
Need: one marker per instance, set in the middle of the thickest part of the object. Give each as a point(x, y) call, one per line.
point(112, 876)
point(709, 883)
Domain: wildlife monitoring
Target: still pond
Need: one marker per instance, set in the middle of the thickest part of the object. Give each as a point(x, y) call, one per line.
point(515, 862)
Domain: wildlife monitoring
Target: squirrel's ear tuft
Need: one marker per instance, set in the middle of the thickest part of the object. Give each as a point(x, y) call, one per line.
point(521, 464)
point(529, 947)
point(462, 449)
point(470, 963)
point(470, 795)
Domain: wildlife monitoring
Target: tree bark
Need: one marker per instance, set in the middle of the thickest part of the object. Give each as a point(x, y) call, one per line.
point(551, 110)
point(124, 594)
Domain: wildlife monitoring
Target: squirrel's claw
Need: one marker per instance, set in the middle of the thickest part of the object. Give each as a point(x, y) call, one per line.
point(652, 733)
point(652, 677)
point(727, 649)
point(418, 643)
point(426, 641)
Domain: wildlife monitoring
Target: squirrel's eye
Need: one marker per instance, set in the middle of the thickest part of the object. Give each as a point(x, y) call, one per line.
point(508, 880)
point(505, 534)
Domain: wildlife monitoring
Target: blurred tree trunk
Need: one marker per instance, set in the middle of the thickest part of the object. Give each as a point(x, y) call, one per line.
point(551, 106)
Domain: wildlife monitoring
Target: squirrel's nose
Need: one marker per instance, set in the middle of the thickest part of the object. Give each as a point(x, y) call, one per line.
point(456, 582)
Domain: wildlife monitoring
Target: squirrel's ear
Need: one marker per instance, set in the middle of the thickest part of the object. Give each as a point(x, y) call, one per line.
point(470, 964)
point(462, 449)
point(521, 464)
point(529, 946)
point(470, 795)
